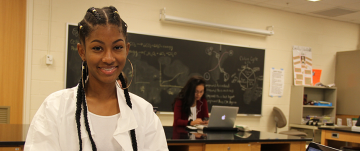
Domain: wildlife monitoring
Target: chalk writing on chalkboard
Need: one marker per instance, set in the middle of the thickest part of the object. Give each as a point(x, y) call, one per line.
point(73, 60)
point(162, 66)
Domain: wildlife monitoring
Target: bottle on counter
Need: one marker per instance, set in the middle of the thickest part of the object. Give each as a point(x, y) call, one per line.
point(354, 120)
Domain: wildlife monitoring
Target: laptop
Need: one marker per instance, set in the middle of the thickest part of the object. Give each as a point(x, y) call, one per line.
point(222, 118)
point(318, 147)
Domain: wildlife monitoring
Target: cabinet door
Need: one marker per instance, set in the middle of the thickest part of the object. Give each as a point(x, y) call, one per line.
point(227, 147)
point(10, 149)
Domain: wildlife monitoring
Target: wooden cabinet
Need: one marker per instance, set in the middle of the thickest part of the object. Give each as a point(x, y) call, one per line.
point(298, 111)
point(251, 146)
point(227, 147)
point(11, 148)
point(339, 136)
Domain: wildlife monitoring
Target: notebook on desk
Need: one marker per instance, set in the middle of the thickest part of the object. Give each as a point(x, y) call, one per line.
point(318, 147)
point(222, 118)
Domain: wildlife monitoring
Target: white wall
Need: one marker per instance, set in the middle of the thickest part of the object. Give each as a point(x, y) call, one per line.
point(324, 36)
point(358, 48)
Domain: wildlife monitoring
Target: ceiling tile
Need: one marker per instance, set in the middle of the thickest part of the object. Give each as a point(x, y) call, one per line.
point(308, 8)
point(284, 3)
point(320, 16)
point(250, 1)
point(259, 1)
point(340, 2)
point(269, 5)
point(334, 12)
point(313, 7)
point(342, 19)
point(352, 16)
point(245, 1)
point(354, 6)
point(293, 10)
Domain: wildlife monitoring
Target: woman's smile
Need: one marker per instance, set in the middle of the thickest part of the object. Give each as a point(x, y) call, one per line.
point(108, 70)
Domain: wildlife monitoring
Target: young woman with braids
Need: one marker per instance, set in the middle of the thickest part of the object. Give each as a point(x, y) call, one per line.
point(97, 114)
point(190, 106)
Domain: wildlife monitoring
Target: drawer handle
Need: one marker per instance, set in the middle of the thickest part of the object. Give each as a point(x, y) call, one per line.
point(335, 135)
point(228, 148)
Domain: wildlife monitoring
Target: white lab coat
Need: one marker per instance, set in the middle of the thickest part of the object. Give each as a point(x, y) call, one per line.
point(53, 127)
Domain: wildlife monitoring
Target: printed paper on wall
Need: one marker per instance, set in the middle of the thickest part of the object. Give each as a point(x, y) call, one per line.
point(302, 61)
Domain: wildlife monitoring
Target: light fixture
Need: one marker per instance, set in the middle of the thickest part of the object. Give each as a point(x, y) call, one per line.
point(313, 0)
point(168, 18)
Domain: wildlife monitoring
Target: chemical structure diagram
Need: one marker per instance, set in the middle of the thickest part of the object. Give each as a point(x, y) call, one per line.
point(245, 77)
point(219, 56)
point(248, 82)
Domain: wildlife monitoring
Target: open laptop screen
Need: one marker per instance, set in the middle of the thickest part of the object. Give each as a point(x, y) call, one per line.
point(318, 147)
point(223, 116)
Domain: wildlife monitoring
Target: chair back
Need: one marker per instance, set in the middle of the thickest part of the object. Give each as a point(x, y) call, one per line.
point(280, 118)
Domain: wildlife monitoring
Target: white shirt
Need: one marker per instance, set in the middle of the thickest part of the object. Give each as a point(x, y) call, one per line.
point(193, 113)
point(53, 127)
point(104, 128)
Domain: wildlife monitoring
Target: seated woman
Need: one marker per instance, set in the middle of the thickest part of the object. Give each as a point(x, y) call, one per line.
point(190, 106)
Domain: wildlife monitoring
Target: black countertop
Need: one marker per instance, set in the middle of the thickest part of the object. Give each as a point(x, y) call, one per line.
point(15, 134)
point(340, 129)
point(183, 135)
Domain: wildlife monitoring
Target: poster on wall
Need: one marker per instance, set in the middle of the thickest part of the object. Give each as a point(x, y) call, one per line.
point(302, 61)
point(276, 82)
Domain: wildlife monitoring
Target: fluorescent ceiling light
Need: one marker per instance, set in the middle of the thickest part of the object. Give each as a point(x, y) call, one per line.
point(313, 0)
point(168, 18)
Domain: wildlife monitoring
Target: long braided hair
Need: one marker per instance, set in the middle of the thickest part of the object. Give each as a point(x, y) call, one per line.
point(94, 17)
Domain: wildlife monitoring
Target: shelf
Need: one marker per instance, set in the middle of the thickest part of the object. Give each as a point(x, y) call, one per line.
point(316, 87)
point(314, 106)
point(303, 126)
point(316, 127)
point(298, 110)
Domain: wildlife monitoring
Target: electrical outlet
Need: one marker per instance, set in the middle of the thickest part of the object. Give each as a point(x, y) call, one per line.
point(49, 59)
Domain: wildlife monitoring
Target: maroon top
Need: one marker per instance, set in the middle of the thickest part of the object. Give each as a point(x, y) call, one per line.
point(180, 119)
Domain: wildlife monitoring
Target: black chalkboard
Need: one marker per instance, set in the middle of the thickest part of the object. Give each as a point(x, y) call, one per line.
point(73, 60)
point(162, 66)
